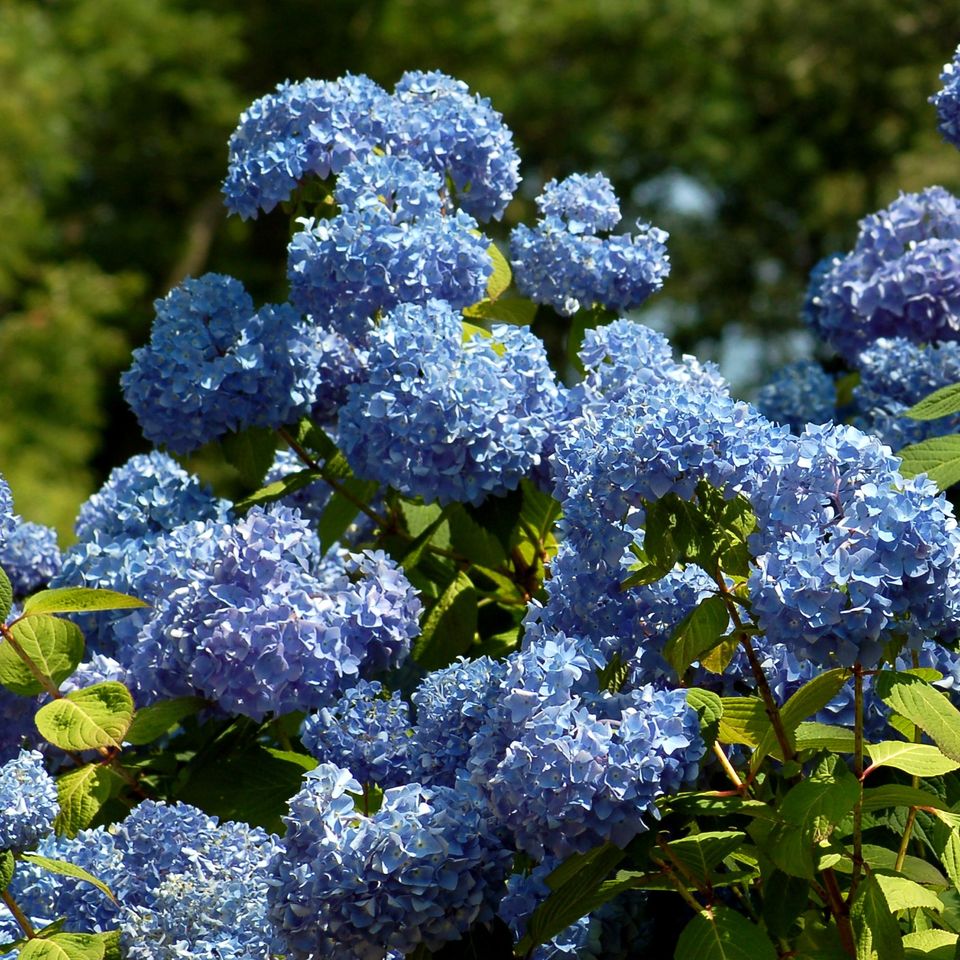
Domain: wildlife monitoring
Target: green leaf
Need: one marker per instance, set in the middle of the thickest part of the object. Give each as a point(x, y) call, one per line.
point(54, 646)
point(251, 453)
point(899, 795)
point(88, 719)
point(786, 899)
point(514, 310)
point(154, 721)
point(920, 703)
point(744, 720)
point(7, 867)
point(940, 403)
point(251, 784)
point(913, 868)
point(823, 736)
point(701, 852)
point(414, 551)
point(474, 541)
point(64, 946)
point(723, 934)
point(709, 709)
point(302, 760)
point(937, 457)
point(64, 869)
point(471, 330)
point(341, 510)
point(502, 274)
point(279, 489)
point(449, 627)
point(876, 930)
point(808, 700)
point(950, 857)
point(718, 659)
point(312, 437)
point(539, 510)
point(78, 600)
point(710, 805)
point(6, 596)
point(930, 945)
point(903, 894)
point(81, 793)
point(701, 630)
point(575, 891)
point(918, 759)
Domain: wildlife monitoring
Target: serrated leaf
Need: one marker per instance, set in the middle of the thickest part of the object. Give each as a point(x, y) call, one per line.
point(723, 934)
point(903, 894)
point(502, 274)
point(930, 945)
point(718, 659)
point(64, 946)
point(7, 867)
point(710, 805)
point(81, 793)
point(701, 630)
point(65, 869)
point(812, 697)
point(54, 646)
point(78, 600)
point(88, 719)
point(575, 891)
point(950, 857)
point(744, 720)
point(913, 868)
point(924, 706)
point(709, 708)
point(937, 457)
point(811, 735)
point(449, 627)
point(155, 720)
point(251, 453)
point(315, 439)
point(876, 930)
point(419, 544)
point(6, 596)
point(279, 489)
point(918, 759)
point(787, 897)
point(940, 403)
point(701, 852)
point(540, 510)
point(474, 541)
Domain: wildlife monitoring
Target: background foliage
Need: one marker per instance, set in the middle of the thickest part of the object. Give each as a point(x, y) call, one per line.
point(756, 133)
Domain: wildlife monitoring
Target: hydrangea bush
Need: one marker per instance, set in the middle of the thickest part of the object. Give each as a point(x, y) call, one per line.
point(486, 663)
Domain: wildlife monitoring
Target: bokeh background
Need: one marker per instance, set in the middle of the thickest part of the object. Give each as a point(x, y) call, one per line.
point(756, 132)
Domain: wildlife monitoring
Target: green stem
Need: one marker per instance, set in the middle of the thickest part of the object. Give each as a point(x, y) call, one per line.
point(728, 767)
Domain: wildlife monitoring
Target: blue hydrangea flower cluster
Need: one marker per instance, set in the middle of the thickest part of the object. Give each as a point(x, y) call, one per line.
point(314, 127)
point(849, 554)
point(446, 419)
point(28, 801)
point(599, 760)
point(798, 394)
point(318, 128)
point(186, 885)
point(30, 556)
point(390, 244)
point(6, 507)
point(16, 724)
point(947, 101)
point(420, 870)
point(215, 365)
point(365, 731)
point(253, 629)
point(450, 705)
point(902, 278)
point(896, 373)
point(563, 263)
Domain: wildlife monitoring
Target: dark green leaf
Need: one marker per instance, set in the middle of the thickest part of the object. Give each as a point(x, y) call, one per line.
point(875, 928)
point(723, 934)
point(710, 805)
point(315, 439)
point(155, 720)
point(467, 537)
point(921, 704)
point(709, 709)
point(54, 646)
point(449, 627)
point(786, 899)
point(913, 868)
point(278, 489)
point(414, 551)
point(899, 795)
point(701, 852)
point(499, 515)
point(938, 458)
point(342, 510)
point(940, 403)
point(701, 630)
point(251, 452)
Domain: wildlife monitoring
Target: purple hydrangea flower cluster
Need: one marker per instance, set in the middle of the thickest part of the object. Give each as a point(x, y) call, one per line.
point(365, 731)
point(215, 365)
point(798, 394)
point(446, 419)
point(599, 760)
point(902, 278)
point(421, 870)
point(252, 628)
point(314, 127)
point(896, 373)
point(947, 101)
point(390, 244)
point(849, 554)
point(186, 885)
point(564, 263)
point(30, 556)
point(28, 801)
